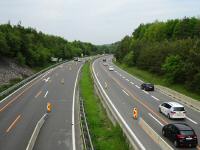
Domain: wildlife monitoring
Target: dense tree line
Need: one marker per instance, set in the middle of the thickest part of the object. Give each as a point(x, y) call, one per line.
point(33, 48)
point(107, 48)
point(170, 49)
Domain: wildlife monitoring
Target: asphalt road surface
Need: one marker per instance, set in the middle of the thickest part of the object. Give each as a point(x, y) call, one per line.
point(20, 112)
point(124, 91)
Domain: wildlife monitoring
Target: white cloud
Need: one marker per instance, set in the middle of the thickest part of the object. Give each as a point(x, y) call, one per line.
point(97, 21)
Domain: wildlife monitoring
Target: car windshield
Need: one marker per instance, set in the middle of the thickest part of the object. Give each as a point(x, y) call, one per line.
point(149, 84)
point(179, 109)
point(186, 132)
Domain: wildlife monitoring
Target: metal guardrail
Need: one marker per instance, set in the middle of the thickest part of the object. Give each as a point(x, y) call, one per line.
point(87, 142)
point(36, 131)
point(14, 87)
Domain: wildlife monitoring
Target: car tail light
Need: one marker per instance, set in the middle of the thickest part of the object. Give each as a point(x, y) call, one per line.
point(179, 136)
point(195, 137)
point(172, 112)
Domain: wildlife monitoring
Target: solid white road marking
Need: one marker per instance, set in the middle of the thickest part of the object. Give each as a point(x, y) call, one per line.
point(155, 98)
point(73, 105)
point(137, 86)
point(125, 92)
point(117, 112)
point(145, 92)
point(46, 94)
point(155, 119)
point(191, 120)
point(132, 83)
point(123, 77)
point(127, 80)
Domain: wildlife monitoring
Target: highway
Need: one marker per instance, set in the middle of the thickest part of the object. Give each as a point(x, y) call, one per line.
point(20, 112)
point(124, 91)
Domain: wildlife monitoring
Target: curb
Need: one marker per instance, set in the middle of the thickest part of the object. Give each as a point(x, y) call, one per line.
point(155, 137)
point(36, 131)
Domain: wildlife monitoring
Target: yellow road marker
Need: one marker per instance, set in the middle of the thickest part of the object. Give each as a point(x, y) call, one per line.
point(49, 107)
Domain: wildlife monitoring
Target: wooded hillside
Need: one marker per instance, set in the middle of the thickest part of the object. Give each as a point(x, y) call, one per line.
point(170, 49)
point(33, 48)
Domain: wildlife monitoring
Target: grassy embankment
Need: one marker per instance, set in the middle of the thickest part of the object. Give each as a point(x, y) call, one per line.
point(104, 135)
point(149, 77)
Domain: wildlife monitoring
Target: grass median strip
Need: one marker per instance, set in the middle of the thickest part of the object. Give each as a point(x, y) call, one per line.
point(105, 136)
point(150, 77)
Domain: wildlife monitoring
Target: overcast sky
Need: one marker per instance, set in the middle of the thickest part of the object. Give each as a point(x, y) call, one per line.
point(96, 21)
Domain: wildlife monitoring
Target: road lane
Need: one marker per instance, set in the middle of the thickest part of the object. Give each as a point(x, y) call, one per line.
point(57, 132)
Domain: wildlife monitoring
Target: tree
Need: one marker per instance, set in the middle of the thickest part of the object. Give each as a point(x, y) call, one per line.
point(20, 58)
point(173, 67)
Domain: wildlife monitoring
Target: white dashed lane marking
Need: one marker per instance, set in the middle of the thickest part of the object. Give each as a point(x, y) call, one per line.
point(137, 86)
point(191, 120)
point(155, 98)
point(125, 92)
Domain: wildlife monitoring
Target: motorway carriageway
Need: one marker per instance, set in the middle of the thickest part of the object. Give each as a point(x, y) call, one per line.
point(124, 91)
point(20, 112)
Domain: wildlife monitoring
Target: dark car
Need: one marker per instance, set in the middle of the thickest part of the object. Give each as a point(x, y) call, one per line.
point(180, 134)
point(147, 86)
point(104, 60)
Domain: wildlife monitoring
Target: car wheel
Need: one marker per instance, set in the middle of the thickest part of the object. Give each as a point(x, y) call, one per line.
point(163, 133)
point(176, 143)
point(168, 116)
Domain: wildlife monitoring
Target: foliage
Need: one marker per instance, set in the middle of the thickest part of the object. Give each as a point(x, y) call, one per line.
point(169, 48)
point(105, 136)
point(35, 49)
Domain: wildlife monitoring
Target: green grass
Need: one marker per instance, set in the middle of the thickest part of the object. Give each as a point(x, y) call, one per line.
point(105, 136)
point(159, 80)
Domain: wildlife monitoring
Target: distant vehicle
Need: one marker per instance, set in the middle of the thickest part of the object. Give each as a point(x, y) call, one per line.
point(147, 86)
point(180, 134)
point(75, 58)
point(104, 60)
point(172, 110)
point(110, 68)
point(105, 64)
point(79, 60)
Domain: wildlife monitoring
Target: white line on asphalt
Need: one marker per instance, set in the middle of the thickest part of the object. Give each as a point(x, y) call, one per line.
point(137, 86)
point(127, 80)
point(73, 105)
point(120, 75)
point(155, 98)
point(125, 92)
point(132, 83)
point(145, 92)
point(123, 77)
point(155, 119)
point(46, 94)
point(191, 120)
point(119, 115)
point(115, 71)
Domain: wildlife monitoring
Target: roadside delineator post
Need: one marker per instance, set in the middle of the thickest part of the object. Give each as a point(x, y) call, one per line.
point(49, 107)
point(135, 113)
